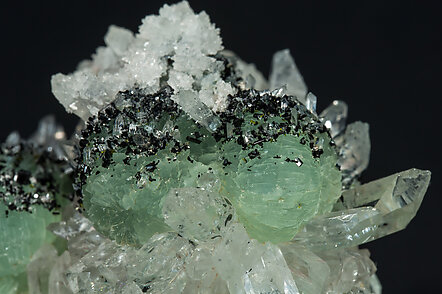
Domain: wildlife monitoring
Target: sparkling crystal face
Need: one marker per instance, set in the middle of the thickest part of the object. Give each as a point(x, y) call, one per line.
point(193, 177)
point(276, 165)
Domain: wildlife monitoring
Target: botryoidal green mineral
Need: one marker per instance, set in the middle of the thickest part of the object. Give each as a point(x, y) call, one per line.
point(193, 174)
point(33, 186)
point(276, 166)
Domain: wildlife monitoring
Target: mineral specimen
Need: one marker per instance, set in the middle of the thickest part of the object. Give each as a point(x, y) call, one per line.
point(35, 182)
point(193, 174)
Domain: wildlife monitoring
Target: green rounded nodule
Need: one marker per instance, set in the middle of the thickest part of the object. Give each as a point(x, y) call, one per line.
point(278, 169)
point(21, 235)
point(278, 191)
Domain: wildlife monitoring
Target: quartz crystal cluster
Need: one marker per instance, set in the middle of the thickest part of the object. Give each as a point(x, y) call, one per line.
point(191, 173)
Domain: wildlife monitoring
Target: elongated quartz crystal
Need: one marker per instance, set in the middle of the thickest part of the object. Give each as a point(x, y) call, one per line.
point(376, 209)
point(191, 173)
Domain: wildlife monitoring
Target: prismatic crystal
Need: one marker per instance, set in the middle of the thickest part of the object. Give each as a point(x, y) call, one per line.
point(192, 173)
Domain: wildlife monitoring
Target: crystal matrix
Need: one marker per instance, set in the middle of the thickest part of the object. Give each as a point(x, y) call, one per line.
point(193, 174)
point(277, 166)
point(35, 182)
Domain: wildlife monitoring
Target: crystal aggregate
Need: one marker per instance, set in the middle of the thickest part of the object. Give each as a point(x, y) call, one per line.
point(193, 174)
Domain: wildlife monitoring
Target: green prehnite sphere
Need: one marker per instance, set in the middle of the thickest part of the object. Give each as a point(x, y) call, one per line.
point(269, 156)
point(34, 185)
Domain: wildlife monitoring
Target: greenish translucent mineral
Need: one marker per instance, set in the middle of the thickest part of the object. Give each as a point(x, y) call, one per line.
point(193, 174)
point(278, 191)
point(21, 234)
point(277, 166)
point(34, 185)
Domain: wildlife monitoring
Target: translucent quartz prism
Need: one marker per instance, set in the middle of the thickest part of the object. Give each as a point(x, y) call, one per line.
point(374, 210)
point(397, 197)
point(285, 73)
point(335, 117)
point(354, 152)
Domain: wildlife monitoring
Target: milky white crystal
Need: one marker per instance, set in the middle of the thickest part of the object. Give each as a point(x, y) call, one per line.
point(206, 249)
point(176, 46)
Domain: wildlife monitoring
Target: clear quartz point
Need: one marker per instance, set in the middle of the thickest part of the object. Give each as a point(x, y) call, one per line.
point(285, 73)
point(310, 272)
point(310, 102)
point(335, 117)
point(396, 197)
point(340, 229)
point(373, 210)
point(249, 266)
point(350, 270)
point(51, 136)
point(354, 150)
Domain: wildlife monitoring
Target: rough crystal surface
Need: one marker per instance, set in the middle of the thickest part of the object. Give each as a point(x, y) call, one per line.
point(196, 213)
point(193, 174)
point(176, 46)
point(147, 146)
point(35, 183)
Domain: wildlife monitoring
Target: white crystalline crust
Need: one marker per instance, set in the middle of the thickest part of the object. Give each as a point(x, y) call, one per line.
point(175, 47)
point(209, 250)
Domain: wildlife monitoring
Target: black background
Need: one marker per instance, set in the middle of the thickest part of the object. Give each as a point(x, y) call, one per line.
point(382, 57)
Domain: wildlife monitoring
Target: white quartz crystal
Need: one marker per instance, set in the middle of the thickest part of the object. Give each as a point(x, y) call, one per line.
point(252, 77)
point(196, 213)
point(175, 47)
point(207, 249)
point(285, 73)
point(251, 267)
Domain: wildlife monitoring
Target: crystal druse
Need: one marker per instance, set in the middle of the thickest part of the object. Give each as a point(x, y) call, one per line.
point(192, 173)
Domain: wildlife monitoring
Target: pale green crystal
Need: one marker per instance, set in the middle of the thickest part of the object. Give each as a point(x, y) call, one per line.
point(128, 209)
point(274, 196)
point(39, 268)
point(191, 181)
point(275, 184)
point(8, 286)
point(21, 235)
